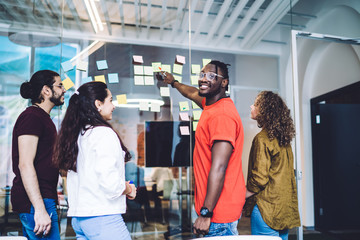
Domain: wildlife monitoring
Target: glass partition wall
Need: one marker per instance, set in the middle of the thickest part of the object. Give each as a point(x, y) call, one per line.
point(123, 43)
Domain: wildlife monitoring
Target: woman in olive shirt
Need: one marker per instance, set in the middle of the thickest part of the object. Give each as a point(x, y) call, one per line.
point(271, 186)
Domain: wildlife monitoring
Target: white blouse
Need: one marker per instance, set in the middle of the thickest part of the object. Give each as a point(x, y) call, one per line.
point(96, 187)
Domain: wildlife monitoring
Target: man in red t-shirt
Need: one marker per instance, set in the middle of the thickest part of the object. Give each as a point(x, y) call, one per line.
point(219, 181)
point(33, 194)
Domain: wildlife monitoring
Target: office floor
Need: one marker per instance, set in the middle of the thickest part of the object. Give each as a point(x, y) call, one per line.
point(156, 229)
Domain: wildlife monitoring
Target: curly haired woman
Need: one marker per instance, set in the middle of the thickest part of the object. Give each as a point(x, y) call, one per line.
point(271, 185)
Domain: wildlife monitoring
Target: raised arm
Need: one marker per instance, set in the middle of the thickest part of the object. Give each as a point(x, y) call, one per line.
point(189, 92)
point(27, 151)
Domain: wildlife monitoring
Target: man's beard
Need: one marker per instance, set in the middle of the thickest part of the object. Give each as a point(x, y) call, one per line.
point(56, 100)
point(210, 94)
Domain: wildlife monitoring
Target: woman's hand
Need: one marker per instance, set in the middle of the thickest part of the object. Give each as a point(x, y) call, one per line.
point(131, 194)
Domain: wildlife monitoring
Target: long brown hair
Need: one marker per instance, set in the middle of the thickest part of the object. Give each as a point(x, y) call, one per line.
point(80, 116)
point(274, 116)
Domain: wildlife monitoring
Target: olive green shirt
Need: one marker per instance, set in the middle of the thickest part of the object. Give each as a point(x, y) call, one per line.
point(271, 177)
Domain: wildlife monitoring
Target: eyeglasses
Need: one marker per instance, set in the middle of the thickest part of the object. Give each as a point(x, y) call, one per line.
point(209, 75)
point(60, 86)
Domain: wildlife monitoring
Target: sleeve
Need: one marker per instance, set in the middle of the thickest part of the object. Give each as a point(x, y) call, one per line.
point(109, 162)
point(259, 166)
point(223, 128)
point(30, 124)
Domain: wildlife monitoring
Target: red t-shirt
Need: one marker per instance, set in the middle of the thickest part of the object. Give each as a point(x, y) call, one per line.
point(34, 121)
point(220, 121)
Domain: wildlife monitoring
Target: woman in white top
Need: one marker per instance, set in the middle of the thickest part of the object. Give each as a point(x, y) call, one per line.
point(94, 157)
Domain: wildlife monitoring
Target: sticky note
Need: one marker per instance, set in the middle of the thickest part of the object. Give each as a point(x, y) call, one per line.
point(86, 80)
point(194, 80)
point(148, 70)
point(184, 130)
point(149, 80)
point(155, 66)
point(138, 59)
point(195, 125)
point(206, 61)
point(194, 105)
point(195, 68)
point(67, 66)
point(184, 106)
point(82, 66)
point(121, 99)
point(184, 116)
point(180, 59)
point(154, 107)
point(101, 65)
point(143, 106)
point(100, 78)
point(165, 91)
point(196, 115)
point(139, 80)
point(113, 78)
point(67, 83)
point(138, 69)
point(166, 68)
point(177, 68)
point(178, 78)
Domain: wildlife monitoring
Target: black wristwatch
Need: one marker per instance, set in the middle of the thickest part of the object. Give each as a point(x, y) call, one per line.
point(205, 212)
point(172, 83)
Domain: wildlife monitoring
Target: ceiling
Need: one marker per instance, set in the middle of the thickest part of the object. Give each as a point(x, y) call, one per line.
point(232, 25)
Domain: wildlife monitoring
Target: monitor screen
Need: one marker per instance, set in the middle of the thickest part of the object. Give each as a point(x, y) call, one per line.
point(166, 145)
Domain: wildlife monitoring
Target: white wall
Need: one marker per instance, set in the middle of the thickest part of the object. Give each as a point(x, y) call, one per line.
point(323, 67)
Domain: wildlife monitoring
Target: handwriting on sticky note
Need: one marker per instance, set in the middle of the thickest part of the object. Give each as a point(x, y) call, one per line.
point(149, 80)
point(184, 130)
point(177, 68)
point(155, 66)
point(138, 80)
point(184, 106)
point(184, 116)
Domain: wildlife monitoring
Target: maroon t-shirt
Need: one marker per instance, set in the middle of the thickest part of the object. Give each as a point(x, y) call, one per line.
point(34, 121)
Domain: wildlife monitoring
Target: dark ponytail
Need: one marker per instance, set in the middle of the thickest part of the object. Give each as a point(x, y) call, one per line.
point(80, 116)
point(32, 89)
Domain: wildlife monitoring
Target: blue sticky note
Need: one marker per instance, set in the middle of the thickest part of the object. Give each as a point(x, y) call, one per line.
point(67, 66)
point(101, 65)
point(113, 78)
point(86, 80)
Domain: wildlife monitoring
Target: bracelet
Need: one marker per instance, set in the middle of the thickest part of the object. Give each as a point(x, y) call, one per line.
point(172, 83)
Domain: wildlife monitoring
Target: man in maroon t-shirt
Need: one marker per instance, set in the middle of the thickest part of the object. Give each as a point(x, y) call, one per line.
point(33, 194)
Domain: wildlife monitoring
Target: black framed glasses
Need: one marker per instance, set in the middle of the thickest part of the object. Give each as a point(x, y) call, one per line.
point(209, 75)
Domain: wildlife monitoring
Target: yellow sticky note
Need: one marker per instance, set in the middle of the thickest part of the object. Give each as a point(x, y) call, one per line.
point(67, 83)
point(195, 125)
point(155, 66)
point(177, 68)
point(206, 61)
point(196, 114)
point(194, 105)
point(178, 78)
point(166, 68)
point(100, 78)
point(195, 68)
point(184, 106)
point(121, 99)
point(194, 80)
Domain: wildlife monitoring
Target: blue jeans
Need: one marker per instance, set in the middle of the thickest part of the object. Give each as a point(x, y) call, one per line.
point(223, 229)
point(100, 227)
point(28, 223)
point(259, 227)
